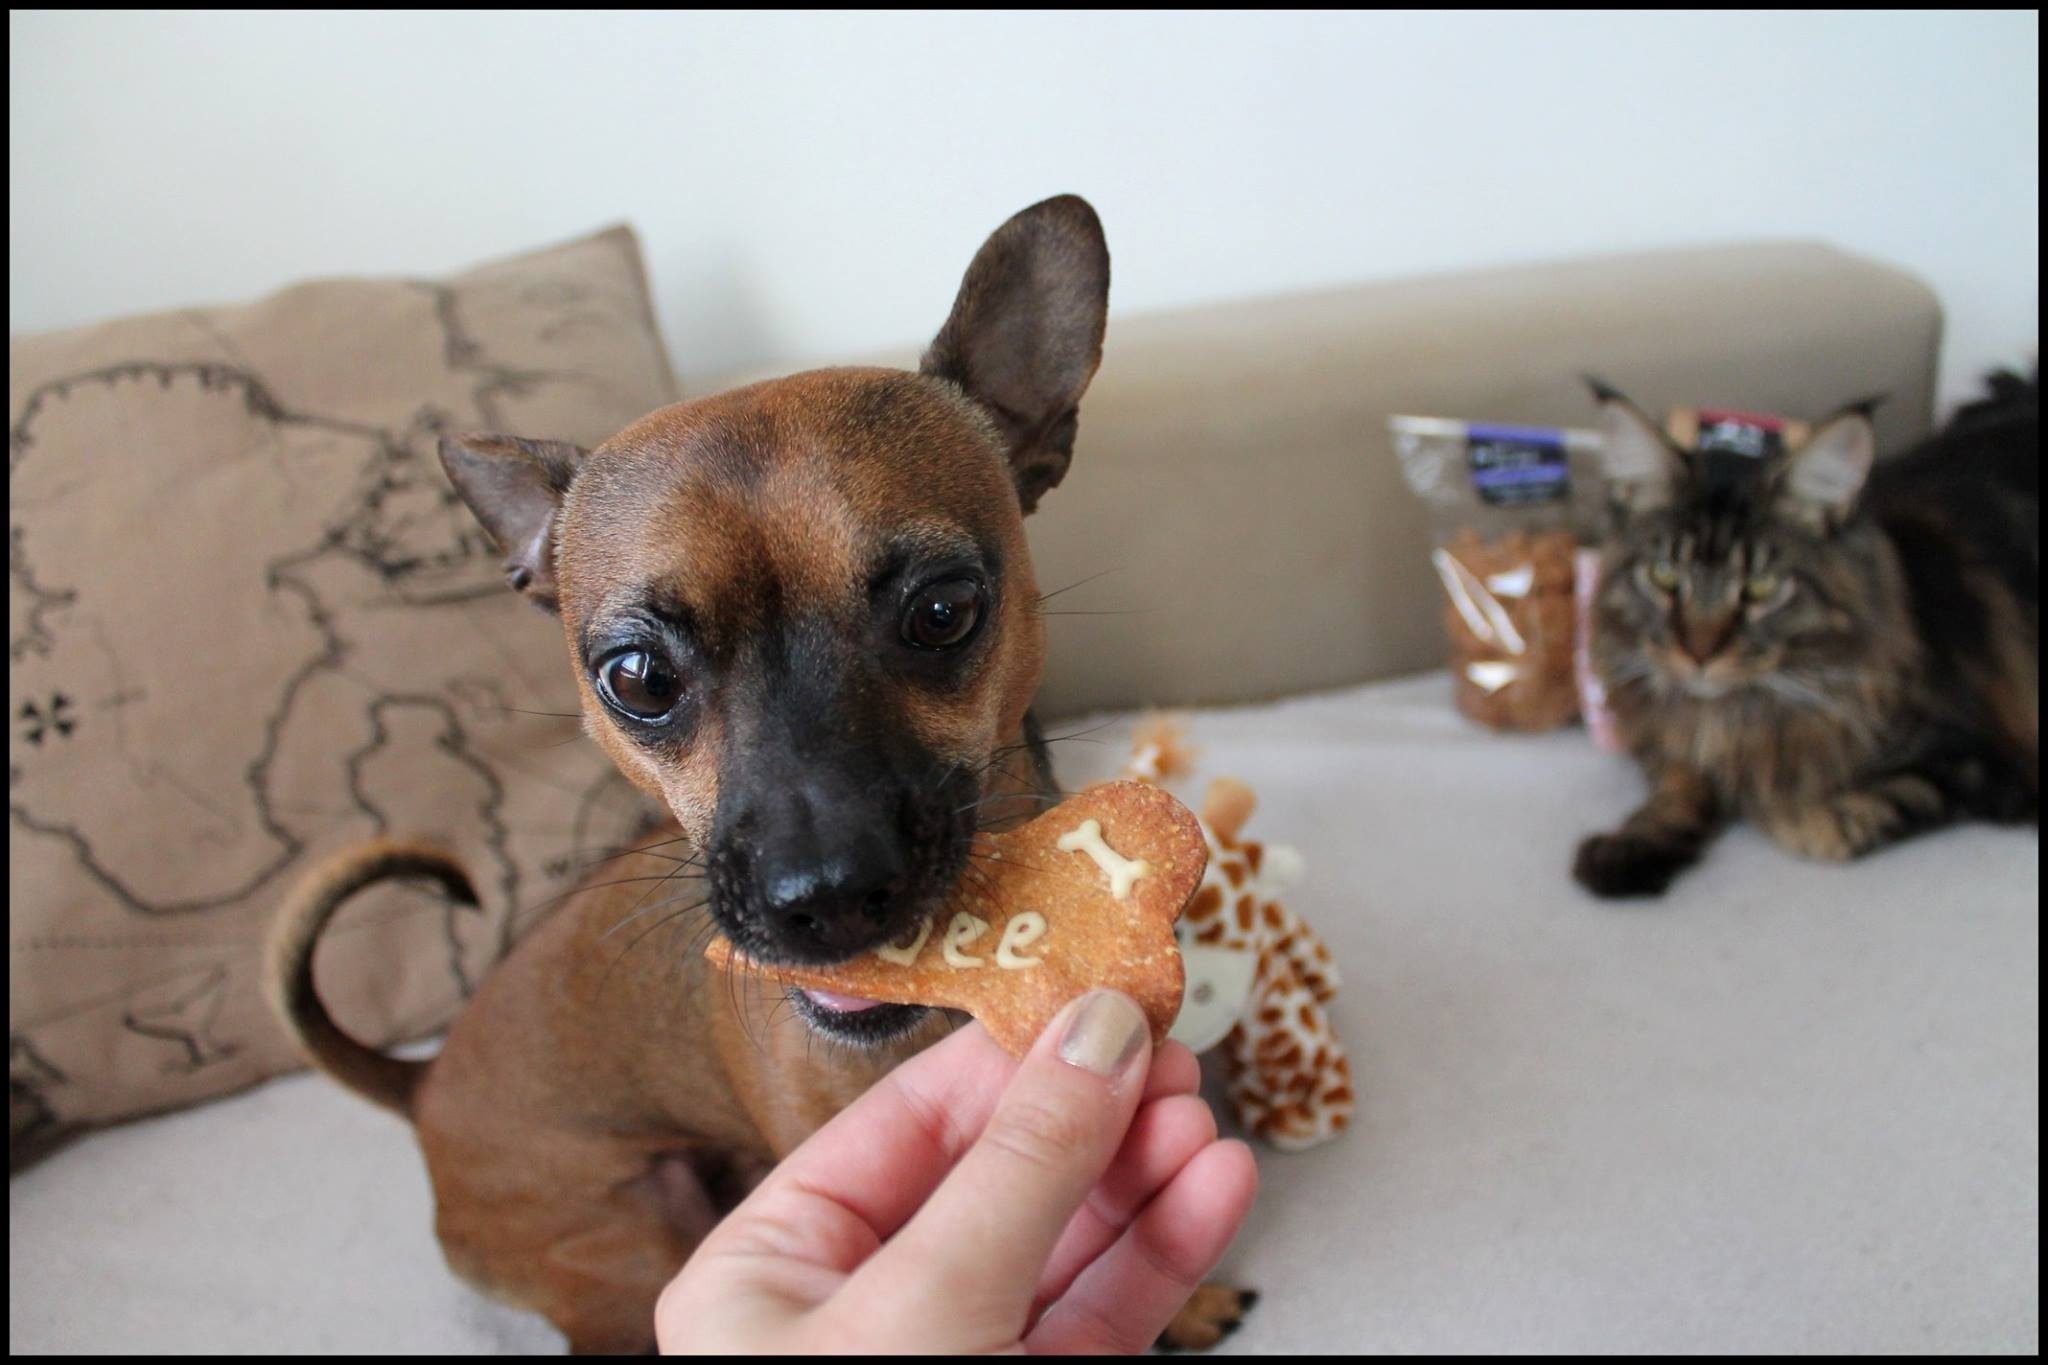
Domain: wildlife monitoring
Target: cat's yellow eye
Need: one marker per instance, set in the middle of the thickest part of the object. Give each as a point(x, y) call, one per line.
point(1762, 587)
point(1664, 575)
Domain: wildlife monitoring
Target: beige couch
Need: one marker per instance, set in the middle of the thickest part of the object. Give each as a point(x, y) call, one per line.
point(1792, 1108)
point(1234, 479)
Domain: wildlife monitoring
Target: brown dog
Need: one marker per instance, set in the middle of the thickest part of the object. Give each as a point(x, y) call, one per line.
point(802, 615)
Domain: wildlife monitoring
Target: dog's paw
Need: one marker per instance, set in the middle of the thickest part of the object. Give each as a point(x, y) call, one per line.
point(1620, 865)
point(1211, 1313)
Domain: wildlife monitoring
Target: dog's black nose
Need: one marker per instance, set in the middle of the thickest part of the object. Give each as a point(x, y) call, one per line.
point(827, 867)
point(835, 908)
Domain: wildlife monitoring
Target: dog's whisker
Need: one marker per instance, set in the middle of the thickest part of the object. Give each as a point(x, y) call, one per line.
point(614, 850)
point(1046, 801)
point(691, 864)
point(1063, 874)
point(738, 993)
point(992, 799)
point(1018, 794)
point(629, 852)
point(676, 838)
point(647, 910)
point(980, 881)
point(673, 873)
point(528, 909)
point(1077, 734)
point(613, 965)
point(692, 930)
point(945, 775)
point(1082, 582)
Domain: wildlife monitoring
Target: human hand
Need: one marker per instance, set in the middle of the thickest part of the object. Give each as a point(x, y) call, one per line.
point(972, 1203)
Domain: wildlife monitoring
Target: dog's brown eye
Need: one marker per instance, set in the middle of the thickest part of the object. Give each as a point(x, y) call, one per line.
point(943, 614)
point(639, 684)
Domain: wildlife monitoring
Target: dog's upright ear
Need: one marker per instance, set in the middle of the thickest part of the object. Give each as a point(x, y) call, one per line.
point(1025, 334)
point(515, 488)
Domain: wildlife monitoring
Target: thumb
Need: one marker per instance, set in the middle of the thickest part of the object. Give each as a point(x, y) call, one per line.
point(972, 1256)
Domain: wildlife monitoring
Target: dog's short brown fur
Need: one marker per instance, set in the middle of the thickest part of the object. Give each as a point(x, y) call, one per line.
point(600, 1102)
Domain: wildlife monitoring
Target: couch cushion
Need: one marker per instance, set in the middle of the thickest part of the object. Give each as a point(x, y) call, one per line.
point(248, 622)
point(1791, 1108)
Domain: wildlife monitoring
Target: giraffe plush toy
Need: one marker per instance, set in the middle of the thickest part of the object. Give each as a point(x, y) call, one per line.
point(1290, 1082)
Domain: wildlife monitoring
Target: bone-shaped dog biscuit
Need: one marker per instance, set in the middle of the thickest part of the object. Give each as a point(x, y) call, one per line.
point(1044, 912)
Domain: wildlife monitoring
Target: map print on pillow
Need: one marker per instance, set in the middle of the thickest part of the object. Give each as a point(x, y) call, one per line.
point(248, 623)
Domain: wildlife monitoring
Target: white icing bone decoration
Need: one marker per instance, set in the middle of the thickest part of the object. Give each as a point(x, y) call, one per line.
point(1086, 837)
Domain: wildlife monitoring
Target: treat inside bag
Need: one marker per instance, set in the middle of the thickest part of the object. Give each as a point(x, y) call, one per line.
point(1509, 506)
point(1083, 896)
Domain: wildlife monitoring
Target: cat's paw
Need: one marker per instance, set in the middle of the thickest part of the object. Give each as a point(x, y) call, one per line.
point(1839, 829)
point(1621, 865)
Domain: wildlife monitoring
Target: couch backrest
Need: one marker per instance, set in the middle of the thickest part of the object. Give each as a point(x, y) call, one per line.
point(1235, 487)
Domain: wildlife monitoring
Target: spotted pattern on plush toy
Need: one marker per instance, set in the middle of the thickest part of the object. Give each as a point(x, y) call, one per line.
point(1290, 1079)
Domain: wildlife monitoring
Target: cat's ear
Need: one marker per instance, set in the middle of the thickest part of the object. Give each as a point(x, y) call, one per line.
point(1643, 467)
point(1824, 477)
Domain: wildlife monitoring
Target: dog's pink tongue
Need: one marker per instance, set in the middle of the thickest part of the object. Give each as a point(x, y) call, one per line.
point(842, 1004)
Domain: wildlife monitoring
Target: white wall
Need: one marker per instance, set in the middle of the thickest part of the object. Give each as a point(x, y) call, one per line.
point(810, 186)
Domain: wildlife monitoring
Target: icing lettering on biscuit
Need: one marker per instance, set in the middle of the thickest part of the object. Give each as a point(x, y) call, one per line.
point(964, 929)
point(1021, 932)
point(903, 957)
point(1086, 837)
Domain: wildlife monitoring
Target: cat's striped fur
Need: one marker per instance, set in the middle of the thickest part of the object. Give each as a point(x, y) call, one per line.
point(1840, 653)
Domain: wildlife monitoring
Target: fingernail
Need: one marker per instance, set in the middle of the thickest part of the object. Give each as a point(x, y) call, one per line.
point(1104, 1034)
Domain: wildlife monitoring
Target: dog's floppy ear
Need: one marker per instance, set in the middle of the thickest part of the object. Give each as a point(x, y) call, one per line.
point(1025, 334)
point(1643, 466)
point(515, 488)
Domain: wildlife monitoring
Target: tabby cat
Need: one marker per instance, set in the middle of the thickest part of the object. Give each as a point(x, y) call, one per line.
point(1842, 652)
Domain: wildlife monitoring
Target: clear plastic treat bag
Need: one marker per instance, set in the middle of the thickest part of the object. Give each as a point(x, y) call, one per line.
point(1510, 505)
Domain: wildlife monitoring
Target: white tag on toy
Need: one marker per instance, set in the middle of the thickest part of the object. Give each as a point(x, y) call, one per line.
point(1219, 981)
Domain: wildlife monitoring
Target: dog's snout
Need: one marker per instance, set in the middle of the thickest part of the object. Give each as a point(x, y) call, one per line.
point(836, 907)
point(826, 868)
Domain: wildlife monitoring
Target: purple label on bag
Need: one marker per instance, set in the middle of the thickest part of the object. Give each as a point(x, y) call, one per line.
point(1514, 465)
